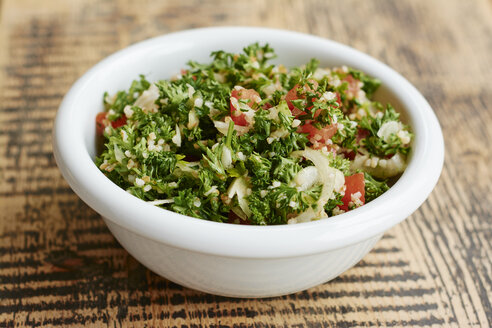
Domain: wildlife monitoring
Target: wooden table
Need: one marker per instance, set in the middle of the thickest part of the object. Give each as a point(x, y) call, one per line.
point(60, 266)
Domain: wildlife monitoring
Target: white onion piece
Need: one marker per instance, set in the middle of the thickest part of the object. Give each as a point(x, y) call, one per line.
point(331, 178)
point(226, 157)
point(223, 127)
point(391, 167)
point(118, 153)
point(327, 174)
point(160, 201)
point(147, 99)
point(239, 187)
point(177, 137)
point(389, 128)
point(308, 216)
point(306, 177)
point(192, 119)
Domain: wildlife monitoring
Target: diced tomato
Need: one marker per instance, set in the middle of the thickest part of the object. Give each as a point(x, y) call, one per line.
point(354, 183)
point(293, 95)
point(325, 133)
point(237, 116)
point(362, 134)
point(240, 119)
point(349, 154)
point(100, 123)
point(235, 219)
point(353, 86)
point(318, 137)
point(119, 122)
point(251, 94)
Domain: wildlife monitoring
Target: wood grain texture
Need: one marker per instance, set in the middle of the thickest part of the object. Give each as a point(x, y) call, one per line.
point(60, 266)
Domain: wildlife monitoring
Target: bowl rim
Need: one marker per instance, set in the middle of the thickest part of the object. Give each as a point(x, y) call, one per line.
point(167, 227)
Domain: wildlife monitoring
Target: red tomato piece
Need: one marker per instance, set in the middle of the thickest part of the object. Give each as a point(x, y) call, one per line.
point(354, 183)
point(240, 119)
point(235, 219)
point(318, 136)
point(237, 116)
point(100, 123)
point(251, 94)
point(362, 134)
point(353, 86)
point(349, 154)
point(119, 122)
point(293, 95)
point(101, 120)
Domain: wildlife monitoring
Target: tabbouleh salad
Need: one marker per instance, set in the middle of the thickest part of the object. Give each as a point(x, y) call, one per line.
point(240, 140)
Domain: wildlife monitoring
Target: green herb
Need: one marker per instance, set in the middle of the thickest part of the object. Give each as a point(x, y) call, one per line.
point(377, 145)
point(373, 187)
point(370, 85)
point(332, 203)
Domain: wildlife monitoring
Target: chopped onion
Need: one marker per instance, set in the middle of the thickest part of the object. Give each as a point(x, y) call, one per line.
point(160, 201)
point(331, 178)
point(389, 128)
point(147, 100)
point(223, 127)
point(177, 137)
point(226, 157)
point(192, 119)
point(239, 187)
point(118, 153)
point(306, 177)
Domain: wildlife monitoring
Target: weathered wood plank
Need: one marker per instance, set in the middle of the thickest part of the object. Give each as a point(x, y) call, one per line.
point(60, 266)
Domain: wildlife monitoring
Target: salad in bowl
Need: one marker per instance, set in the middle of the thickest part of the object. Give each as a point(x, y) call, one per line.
point(241, 140)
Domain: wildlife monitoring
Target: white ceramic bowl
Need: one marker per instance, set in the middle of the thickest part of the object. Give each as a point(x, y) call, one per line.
point(237, 260)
